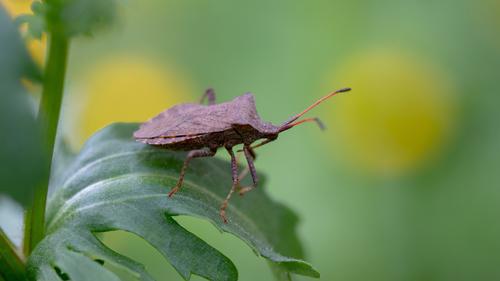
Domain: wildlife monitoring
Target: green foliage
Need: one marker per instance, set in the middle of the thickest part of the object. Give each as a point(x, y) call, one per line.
point(116, 183)
point(70, 17)
point(21, 151)
point(82, 16)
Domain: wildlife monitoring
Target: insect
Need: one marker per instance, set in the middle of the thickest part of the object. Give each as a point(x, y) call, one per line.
point(202, 129)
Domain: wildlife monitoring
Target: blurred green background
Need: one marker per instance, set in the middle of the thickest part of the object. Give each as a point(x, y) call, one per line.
point(404, 184)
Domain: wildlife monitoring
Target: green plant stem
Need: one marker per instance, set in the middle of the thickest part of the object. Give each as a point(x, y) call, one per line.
point(11, 265)
point(48, 116)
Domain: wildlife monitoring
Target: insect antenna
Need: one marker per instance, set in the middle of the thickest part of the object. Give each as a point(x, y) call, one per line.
point(291, 122)
point(321, 125)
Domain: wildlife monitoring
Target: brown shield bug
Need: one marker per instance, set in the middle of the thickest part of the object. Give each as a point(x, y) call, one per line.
point(202, 129)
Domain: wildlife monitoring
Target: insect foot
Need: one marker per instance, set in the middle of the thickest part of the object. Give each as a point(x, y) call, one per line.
point(222, 213)
point(173, 191)
point(245, 189)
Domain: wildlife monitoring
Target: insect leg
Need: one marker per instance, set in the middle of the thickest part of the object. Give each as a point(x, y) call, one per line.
point(264, 142)
point(250, 156)
point(210, 94)
point(206, 152)
point(243, 173)
point(234, 173)
point(251, 152)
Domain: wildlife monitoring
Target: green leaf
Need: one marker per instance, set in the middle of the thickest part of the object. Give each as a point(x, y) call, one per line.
point(35, 23)
point(77, 17)
point(118, 183)
point(21, 152)
point(71, 17)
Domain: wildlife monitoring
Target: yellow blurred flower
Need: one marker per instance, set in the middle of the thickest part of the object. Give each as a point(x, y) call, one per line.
point(35, 47)
point(399, 115)
point(17, 7)
point(125, 89)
